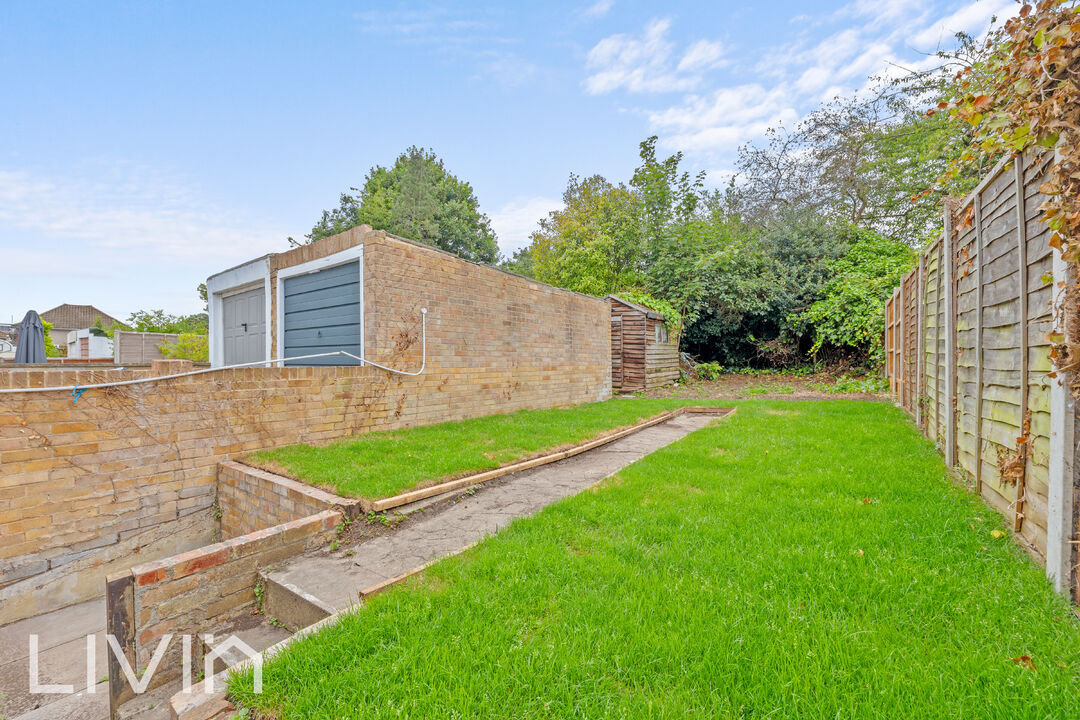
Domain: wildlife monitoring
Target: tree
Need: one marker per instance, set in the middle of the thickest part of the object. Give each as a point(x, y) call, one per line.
point(873, 162)
point(521, 262)
point(593, 245)
point(756, 287)
point(676, 239)
point(418, 199)
point(160, 322)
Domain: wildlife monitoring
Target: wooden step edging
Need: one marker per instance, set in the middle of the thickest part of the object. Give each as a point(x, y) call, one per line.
point(477, 478)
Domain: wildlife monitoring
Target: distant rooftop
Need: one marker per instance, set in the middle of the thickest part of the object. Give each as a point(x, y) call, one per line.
point(76, 317)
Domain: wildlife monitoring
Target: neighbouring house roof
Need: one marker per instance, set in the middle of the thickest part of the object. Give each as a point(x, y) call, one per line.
point(76, 317)
point(640, 308)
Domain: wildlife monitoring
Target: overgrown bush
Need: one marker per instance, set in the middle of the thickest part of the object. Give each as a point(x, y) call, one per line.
point(188, 346)
point(850, 309)
point(868, 384)
point(50, 347)
point(708, 370)
point(671, 315)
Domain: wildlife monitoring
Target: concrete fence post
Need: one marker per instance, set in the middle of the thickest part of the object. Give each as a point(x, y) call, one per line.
point(1060, 520)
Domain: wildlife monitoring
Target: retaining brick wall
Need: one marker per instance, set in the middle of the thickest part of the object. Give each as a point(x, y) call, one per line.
point(250, 499)
point(193, 592)
point(121, 461)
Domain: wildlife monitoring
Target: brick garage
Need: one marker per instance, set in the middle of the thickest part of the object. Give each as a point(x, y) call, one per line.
point(122, 462)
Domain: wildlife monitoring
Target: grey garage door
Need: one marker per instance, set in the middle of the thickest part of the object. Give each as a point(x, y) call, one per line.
point(322, 314)
point(244, 326)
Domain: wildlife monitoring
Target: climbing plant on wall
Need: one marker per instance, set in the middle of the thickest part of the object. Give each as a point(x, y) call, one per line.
point(1024, 95)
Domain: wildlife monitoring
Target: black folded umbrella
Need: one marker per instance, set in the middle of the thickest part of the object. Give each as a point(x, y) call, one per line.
point(31, 347)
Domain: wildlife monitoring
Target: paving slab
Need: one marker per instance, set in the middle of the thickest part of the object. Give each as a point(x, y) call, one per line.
point(61, 661)
point(337, 581)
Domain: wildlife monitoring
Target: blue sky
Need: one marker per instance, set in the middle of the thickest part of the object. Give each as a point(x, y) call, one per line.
point(145, 146)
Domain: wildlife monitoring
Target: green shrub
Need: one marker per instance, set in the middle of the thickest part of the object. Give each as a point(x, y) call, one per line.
point(188, 346)
point(850, 312)
point(867, 384)
point(709, 370)
point(50, 347)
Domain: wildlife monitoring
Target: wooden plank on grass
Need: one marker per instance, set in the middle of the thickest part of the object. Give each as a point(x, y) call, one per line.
point(470, 480)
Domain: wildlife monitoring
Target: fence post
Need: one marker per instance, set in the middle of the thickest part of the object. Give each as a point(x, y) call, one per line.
point(1021, 240)
point(978, 343)
point(920, 326)
point(900, 343)
point(1059, 514)
point(950, 339)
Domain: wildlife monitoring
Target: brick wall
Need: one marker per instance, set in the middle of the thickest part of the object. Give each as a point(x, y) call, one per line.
point(121, 461)
point(250, 499)
point(193, 592)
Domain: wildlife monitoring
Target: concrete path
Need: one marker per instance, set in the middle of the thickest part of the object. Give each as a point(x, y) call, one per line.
point(336, 581)
point(62, 660)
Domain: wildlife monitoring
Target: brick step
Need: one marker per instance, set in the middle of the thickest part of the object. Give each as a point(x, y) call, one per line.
point(258, 638)
point(289, 605)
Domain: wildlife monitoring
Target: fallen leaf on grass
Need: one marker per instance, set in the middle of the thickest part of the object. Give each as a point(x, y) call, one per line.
point(997, 534)
point(1025, 661)
point(868, 501)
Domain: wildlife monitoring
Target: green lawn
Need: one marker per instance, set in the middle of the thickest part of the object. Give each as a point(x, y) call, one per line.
point(381, 464)
point(795, 560)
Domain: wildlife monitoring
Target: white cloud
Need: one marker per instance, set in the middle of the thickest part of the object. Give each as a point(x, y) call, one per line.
point(517, 219)
point(431, 24)
point(972, 18)
point(118, 237)
point(869, 39)
point(874, 14)
point(724, 119)
point(506, 68)
point(126, 213)
point(702, 55)
point(643, 64)
point(598, 9)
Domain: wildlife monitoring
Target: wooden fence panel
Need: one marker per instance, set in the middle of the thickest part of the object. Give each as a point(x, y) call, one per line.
point(909, 329)
point(996, 317)
point(931, 318)
point(966, 330)
point(134, 348)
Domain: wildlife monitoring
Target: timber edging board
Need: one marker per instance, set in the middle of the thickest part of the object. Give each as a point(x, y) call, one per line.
point(477, 478)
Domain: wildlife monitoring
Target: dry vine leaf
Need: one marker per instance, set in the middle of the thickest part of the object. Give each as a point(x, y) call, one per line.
point(1025, 662)
point(1012, 465)
point(1026, 98)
